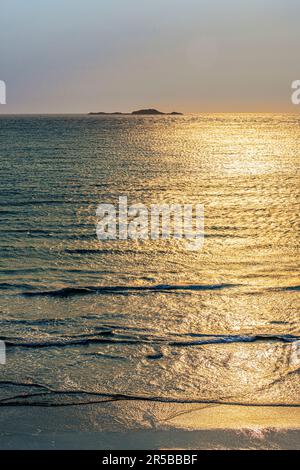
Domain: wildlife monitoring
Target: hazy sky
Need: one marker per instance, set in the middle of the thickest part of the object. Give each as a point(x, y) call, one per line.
point(119, 55)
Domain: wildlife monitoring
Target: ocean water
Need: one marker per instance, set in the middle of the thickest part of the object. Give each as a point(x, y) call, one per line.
point(86, 321)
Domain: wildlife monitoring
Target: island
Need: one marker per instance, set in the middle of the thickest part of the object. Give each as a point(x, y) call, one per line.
point(139, 112)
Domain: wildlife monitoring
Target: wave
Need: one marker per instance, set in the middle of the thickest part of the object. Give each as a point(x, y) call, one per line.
point(111, 337)
point(125, 290)
point(46, 396)
point(92, 251)
point(290, 288)
point(9, 285)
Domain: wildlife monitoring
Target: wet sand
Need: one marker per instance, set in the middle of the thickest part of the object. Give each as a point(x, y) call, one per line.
point(144, 425)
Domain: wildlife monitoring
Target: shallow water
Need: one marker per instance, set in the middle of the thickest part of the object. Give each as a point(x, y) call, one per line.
point(87, 321)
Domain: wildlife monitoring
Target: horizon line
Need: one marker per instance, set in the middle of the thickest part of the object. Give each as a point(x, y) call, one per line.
point(126, 114)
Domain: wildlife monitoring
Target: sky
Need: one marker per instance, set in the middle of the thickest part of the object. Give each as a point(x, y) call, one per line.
point(76, 56)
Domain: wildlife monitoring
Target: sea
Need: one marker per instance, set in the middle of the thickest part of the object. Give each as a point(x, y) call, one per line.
point(85, 320)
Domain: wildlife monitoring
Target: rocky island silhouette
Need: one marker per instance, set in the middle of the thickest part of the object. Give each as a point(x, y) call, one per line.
point(139, 112)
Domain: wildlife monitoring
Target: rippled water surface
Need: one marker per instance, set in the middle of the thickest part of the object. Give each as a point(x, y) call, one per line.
point(87, 321)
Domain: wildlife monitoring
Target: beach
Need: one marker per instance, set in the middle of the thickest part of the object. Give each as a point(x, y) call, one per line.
point(130, 426)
